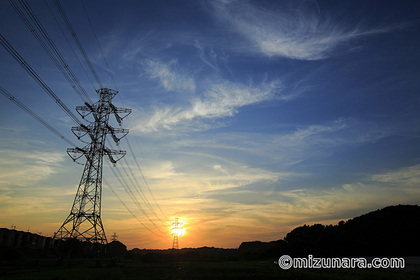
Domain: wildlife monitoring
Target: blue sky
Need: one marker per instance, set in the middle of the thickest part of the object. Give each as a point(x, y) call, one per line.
point(249, 117)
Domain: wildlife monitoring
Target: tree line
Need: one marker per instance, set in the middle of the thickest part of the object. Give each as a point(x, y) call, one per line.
point(391, 231)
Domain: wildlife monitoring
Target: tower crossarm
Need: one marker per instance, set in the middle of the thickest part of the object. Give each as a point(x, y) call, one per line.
point(84, 111)
point(114, 131)
point(76, 153)
point(118, 153)
point(120, 113)
point(80, 131)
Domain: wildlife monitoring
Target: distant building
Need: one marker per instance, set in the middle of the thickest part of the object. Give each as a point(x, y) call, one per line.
point(20, 239)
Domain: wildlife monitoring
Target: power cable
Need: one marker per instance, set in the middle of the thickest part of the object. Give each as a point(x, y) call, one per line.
point(68, 42)
point(138, 189)
point(35, 116)
point(99, 45)
point(55, 55)
point(128, 190)
point(126, 207)
point(35, 76)
point(137, 186)
point(77, 41)
point(144, 179)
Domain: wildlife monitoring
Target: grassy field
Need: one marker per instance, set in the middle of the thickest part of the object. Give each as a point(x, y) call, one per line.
point(189, 270)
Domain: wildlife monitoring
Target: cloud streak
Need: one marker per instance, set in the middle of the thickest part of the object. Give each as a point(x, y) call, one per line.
point(294, 31)
point(221, 100)
point(168, 76)
point(408, 175)
point(22, 168)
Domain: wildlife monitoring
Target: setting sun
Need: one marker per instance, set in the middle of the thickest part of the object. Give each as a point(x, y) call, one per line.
point(178, 231)
point(177, 228)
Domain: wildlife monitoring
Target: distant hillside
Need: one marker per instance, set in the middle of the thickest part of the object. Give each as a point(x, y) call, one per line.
point(391, 231)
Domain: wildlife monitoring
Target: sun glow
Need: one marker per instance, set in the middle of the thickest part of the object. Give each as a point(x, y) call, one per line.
point(178, 231)
point(177, 228)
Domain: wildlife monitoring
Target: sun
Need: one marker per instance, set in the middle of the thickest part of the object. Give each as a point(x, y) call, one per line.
point(177, 229)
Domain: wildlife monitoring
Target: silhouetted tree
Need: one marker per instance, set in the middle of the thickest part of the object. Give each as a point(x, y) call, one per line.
point(116, 249)
point(305, 240)
point(391, 231)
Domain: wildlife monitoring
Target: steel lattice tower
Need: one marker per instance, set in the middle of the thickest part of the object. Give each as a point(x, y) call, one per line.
point(84, 221)
point(177, 230)
point(175, 243)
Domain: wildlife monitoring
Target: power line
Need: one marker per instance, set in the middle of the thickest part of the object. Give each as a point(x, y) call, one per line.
point(144, 178)
point(136, 186)
point(52, 51)
point(68, 42)
point(99, 45)
point(139, 190)
point(142, 194)
point(35, 116)
point(128, 209)
point(128, 190)
point(77, 41)
point(35, 76)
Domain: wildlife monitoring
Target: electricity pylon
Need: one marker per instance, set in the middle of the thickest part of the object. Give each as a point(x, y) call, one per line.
point(177, 230)
point(84, 221)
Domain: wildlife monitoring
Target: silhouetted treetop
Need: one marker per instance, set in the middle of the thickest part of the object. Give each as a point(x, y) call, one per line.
point(393, 230)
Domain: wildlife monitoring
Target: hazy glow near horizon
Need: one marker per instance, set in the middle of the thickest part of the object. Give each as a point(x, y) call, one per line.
point(249, 117)
point(178, 231)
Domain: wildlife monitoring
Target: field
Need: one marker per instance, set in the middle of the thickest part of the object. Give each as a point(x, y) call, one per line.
point(106, 269)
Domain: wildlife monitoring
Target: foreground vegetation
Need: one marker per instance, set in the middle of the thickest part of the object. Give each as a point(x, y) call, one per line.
point(108, 269)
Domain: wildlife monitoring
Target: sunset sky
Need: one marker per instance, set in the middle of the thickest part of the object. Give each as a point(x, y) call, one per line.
point(249, 117)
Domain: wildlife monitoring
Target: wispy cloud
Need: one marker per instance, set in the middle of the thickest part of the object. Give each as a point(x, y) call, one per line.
point(162, 170)
point(314, 133)
point(292, 145)
point(210, 60)
point(221, 100)
point(202, 174)
point(403, 176)
point(22, 168)
point(297, 31)
point(169, 76)
point(332, 135)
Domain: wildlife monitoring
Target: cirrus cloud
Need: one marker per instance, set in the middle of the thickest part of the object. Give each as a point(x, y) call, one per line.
point(169, 78)
point(221, 100)
point(297, 31)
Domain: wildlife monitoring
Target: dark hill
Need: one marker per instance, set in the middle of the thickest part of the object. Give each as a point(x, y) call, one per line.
point(391, 231)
